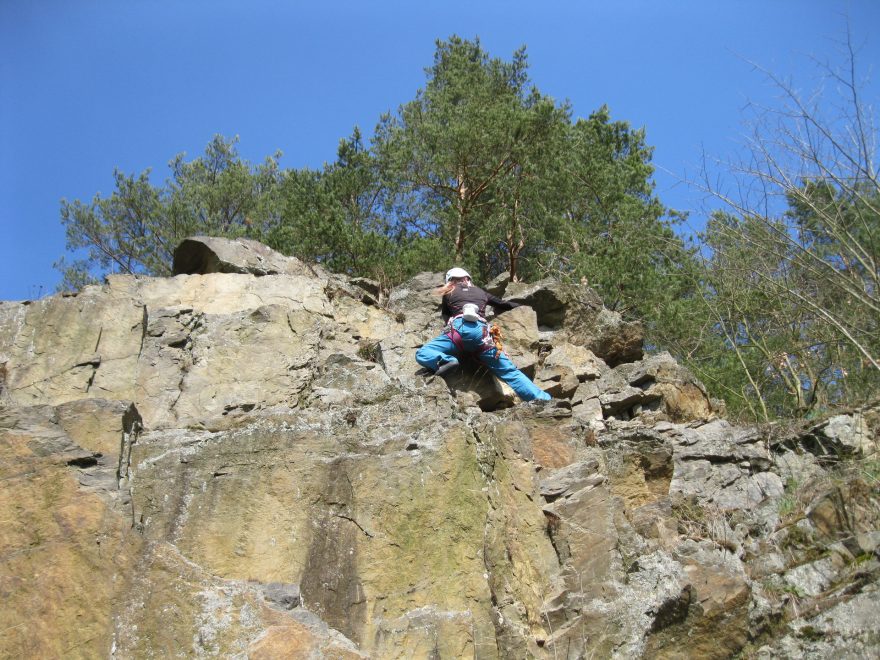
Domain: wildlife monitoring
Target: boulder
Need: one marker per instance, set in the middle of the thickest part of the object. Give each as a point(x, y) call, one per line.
point(519, 329)
point(581, 360)
point(577, 311)
point(203, 255)
point(590, 410)
point(842, 435)
point(560, 381)
point(472, 377)
point(548, 298)
point(611, 338)
point(497, 285)
point(656, 386)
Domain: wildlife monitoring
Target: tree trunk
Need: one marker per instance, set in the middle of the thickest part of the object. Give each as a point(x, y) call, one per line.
point(515, 245)
point(462, 216)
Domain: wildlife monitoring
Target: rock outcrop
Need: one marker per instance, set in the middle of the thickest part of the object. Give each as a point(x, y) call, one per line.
point(245, 460)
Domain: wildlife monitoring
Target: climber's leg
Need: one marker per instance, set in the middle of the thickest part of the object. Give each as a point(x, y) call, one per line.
point(437, 352)
point(501, 366)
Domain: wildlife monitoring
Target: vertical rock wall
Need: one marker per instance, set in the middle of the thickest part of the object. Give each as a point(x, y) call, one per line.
point(246, 461)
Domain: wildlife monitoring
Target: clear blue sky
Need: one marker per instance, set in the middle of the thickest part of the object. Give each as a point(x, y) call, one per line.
point(86, 86)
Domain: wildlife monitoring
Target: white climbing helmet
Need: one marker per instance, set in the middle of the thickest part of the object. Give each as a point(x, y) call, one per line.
point(456, 272)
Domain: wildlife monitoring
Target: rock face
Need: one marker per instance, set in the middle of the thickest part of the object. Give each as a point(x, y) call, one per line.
point(245, 460)
point(204, 254)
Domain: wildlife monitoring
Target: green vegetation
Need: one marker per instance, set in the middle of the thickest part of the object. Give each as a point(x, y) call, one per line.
point(368, 350)
point(792, 267)
point(789, 504)
point(775, 307)
point(480, 169)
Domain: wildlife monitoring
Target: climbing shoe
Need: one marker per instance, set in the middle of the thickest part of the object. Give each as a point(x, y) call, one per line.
point(447, 368)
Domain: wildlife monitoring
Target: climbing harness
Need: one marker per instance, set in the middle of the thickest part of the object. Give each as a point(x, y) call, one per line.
point(492, 336)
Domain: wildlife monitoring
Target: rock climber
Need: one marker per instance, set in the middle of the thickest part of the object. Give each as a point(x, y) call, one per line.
point(467, 332)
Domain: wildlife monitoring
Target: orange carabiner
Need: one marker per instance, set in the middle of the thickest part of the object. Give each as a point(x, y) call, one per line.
point(495, 332)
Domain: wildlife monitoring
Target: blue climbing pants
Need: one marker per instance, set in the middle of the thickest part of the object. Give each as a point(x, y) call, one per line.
point(442, 349)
